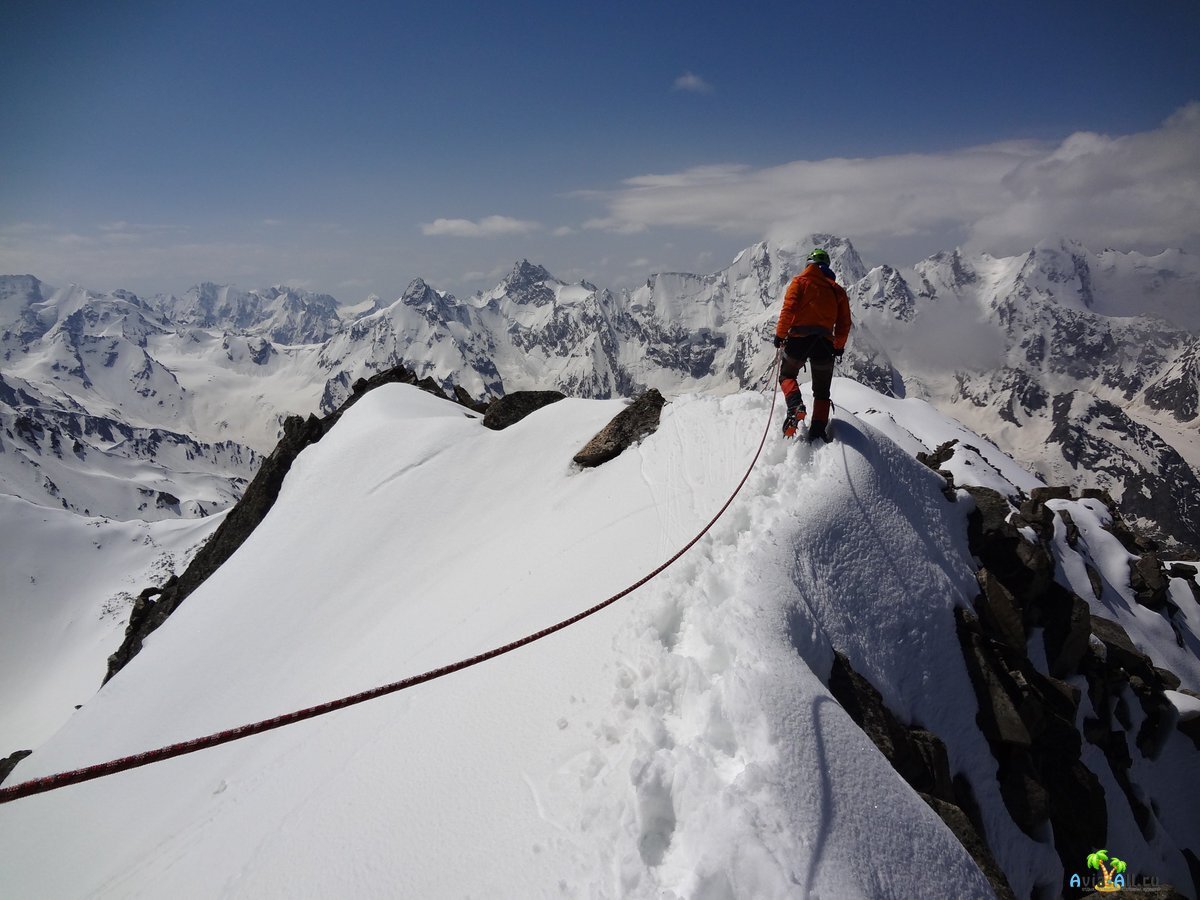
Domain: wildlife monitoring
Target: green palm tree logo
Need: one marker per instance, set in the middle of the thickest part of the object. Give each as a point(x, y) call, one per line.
point(1108, 866)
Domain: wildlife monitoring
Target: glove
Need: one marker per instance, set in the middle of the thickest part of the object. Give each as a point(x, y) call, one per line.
point(837, 354)
point(778, 341)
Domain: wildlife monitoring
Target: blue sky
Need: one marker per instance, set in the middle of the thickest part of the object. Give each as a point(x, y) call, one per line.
point(351, 147)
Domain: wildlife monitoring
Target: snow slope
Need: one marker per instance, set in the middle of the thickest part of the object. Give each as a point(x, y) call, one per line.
point(681, 743)
point(67, 583)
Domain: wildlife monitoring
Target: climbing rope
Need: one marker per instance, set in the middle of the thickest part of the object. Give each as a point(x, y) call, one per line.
point(766, 381)
point(100, 770)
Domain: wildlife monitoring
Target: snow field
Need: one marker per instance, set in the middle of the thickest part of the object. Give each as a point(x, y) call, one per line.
point(62, 618)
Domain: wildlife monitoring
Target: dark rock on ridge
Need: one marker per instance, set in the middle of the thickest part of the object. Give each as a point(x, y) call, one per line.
point(636, 421)
point(512, 408)
point(10, 762)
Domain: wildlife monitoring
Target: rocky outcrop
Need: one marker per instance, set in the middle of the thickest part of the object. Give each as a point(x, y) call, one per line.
point(1029, 717)
point(1040, 706)
point(10, 762)
point(154, 605)
point(512, 408)
point(465, 399)
point(635, 422)
point(1029, 722)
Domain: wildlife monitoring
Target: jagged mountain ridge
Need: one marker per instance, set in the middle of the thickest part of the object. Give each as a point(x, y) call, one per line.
point(997, 342)
point(1018, 351)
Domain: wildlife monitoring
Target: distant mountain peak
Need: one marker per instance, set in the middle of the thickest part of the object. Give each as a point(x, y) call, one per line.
point(527, 273)
point(417, 292)
point(420, 293)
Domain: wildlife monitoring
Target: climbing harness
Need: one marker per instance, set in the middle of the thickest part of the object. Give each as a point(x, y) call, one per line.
point(123, 764)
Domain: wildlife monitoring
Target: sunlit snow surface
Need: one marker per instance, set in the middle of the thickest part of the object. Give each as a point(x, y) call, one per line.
point(678, 744)
point(67, 584)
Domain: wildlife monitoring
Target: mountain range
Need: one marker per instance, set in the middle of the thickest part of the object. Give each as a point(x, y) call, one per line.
point(1084, 366)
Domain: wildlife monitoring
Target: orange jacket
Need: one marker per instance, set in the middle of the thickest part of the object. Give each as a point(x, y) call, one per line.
point(815, 304)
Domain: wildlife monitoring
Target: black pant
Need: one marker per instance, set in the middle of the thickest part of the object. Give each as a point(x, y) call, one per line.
point(817, 351)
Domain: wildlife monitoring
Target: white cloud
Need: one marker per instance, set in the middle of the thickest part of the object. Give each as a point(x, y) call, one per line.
point(497, 272)
point(689, 81)
point(24, 228)
point(563, 231)
point(488, 226)
point(1134, 191)
point(616, 225)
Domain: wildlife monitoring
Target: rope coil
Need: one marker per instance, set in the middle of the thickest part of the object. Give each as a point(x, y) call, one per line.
point(125, 763)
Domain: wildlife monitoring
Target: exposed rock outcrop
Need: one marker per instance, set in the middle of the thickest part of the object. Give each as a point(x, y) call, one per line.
point(1028, 717)
point(635, 422)
point(10, 762)
point(512, 408)
point(1040, 706)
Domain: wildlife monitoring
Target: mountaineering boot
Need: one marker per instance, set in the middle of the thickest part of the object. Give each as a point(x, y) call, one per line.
point(819, 421)
point(795, 415)
point(795, 404)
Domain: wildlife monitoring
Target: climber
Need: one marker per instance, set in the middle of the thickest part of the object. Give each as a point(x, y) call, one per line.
point(812, 328)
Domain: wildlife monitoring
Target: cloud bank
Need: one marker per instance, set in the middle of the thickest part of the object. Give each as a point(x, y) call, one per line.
point(1139, 191)
point(488, 226)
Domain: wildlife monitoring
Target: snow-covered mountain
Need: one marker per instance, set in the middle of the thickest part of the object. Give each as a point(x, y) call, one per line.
point(869, 680)
point(1063, 358)
point(281, 314)
point(119, 406)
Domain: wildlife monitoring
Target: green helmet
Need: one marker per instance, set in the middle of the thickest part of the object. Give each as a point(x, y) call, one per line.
point(819, 256)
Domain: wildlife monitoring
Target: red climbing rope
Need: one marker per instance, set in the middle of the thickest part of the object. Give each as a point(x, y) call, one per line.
point(88, 773)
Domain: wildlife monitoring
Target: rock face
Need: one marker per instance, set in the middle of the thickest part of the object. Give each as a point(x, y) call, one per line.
point(155, 604)
point(10, 762)
point(630, 425)
point(512, 408)
point(1058, 687)
point(1028, 717)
